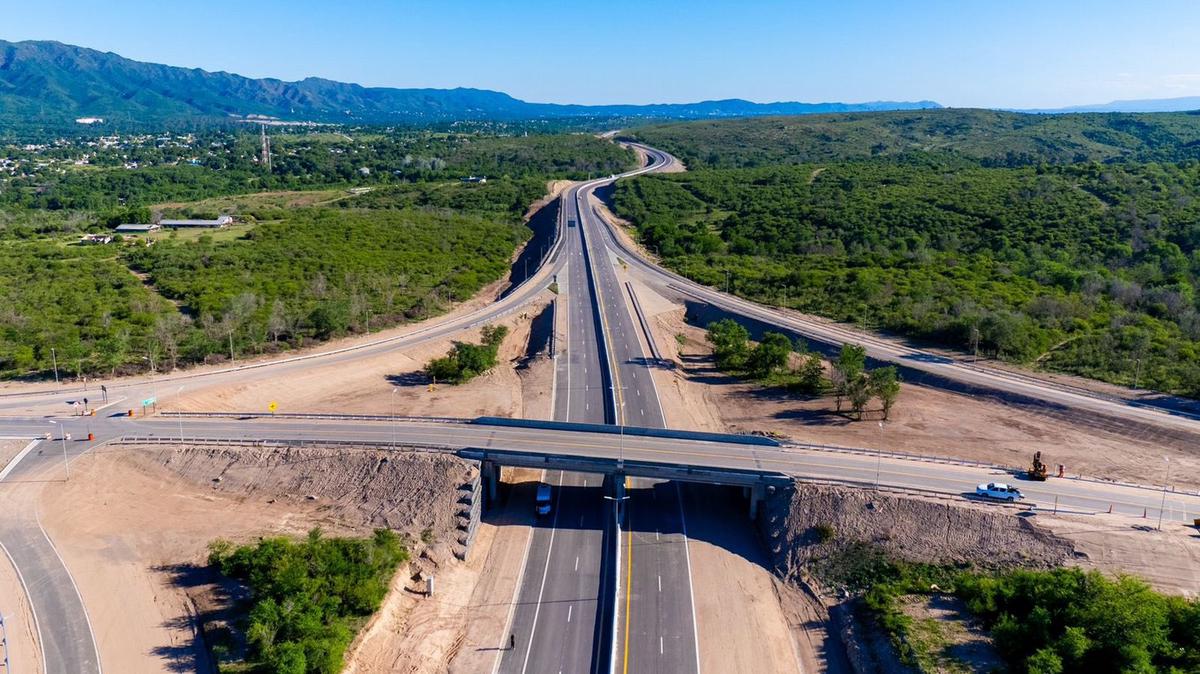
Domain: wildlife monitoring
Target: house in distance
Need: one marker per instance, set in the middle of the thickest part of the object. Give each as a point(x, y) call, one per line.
point(223, 221)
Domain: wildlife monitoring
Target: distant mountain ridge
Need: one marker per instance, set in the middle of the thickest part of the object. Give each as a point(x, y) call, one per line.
point(1181, 104)
point(51, 81)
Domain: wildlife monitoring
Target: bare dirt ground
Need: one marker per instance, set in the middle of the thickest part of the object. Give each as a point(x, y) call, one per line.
point(125, 542)
point(1169, 559)
point(367, 385)
point(24, 650)
point(925, 421)
point(460, 627)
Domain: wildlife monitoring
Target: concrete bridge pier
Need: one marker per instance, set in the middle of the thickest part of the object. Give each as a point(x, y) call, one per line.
point(614, 490)
point(489, 473)
point(756, 494)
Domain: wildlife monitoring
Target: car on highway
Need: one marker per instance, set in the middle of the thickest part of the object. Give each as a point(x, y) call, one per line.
point(542, 501)
point(999, 491)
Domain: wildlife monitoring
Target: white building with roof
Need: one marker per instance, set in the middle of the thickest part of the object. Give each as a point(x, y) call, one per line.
point(223, 221)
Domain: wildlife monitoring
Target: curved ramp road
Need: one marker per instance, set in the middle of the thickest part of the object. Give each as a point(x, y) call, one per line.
point(1055, 396)
point(601, 377)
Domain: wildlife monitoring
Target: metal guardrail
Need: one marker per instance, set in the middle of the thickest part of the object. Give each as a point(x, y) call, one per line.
point(275, 442)
point(318, 415)
point(862, 451)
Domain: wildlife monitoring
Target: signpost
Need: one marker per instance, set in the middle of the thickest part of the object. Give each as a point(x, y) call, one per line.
point(148, 402)
point(271, 406)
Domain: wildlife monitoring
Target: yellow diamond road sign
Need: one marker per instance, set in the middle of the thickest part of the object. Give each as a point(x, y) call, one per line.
point(272, 406)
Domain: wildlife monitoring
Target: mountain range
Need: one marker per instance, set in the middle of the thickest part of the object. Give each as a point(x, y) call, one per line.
point(55, 82)
point(1181, 104)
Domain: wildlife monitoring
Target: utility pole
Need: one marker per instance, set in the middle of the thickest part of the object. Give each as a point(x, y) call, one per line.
point(266, 147)
point(54, 357)
point(1163, 505)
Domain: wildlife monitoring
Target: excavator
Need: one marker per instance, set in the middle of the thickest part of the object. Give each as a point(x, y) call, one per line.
point(1038, 471)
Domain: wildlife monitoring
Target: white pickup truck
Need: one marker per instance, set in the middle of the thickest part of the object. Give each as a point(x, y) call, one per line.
point(999, 491)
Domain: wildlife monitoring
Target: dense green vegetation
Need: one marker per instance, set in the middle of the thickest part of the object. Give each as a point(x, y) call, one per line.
point(1043, 622)
point(305, 265)
point(984, 137)
point(322, 273)
point(770, 362)
point(1084, 268)
point(226, 163)
point(308, 597)
point(466, 360)
point(76, 305)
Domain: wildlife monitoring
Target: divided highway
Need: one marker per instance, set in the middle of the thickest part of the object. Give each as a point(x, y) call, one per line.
point(602, 376)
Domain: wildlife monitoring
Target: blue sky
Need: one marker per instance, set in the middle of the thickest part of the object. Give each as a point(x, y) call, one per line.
point(1010, 53)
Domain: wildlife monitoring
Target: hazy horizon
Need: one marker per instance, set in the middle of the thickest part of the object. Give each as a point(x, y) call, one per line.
point(1032, 56)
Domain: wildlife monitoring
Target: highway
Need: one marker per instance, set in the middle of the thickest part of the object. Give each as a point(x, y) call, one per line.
point(564, 612)
point(656, 630)
point(556, 621)
point(556, 617)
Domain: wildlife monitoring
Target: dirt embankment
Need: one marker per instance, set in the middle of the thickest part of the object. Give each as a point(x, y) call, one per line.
point(809, 522)
point(358, 489)
point(151, 512)
point(804, 526)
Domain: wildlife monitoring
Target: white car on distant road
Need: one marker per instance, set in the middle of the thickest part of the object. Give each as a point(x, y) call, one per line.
point(1000, 491)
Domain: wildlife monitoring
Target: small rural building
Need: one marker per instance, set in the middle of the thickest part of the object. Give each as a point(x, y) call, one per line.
point(222, 221)
point(133, 228)
point(475, 179)
point(95, 239)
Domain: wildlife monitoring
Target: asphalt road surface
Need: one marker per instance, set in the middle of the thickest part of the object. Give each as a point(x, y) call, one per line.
point(66, 635)
point(656, 630)
point(556, 623)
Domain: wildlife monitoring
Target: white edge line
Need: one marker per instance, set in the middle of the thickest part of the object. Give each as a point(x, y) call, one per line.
point(12, 463)
point(537, 609)
point(612, 658)
point(691, 592)
point(74, 586)
point(37, 625)
point(512, 608)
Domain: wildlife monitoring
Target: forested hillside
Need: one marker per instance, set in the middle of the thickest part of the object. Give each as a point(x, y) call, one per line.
point(1083, 267)
point(984, 137)
point(299, 266)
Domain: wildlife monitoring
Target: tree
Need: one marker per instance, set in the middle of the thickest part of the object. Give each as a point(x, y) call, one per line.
point(858, 391)
point(811, 374)
point(770, 355)
point(847, 369)
point(884, 383)
point(731, 343)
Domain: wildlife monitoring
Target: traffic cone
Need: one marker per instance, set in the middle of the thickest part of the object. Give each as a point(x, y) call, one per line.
point(91, 437)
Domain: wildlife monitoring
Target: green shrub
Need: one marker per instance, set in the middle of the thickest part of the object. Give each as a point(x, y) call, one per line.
point(307, 596)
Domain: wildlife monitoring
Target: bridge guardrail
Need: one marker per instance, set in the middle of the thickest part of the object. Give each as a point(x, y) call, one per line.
point(862, 451)
point(273, 442)
point(317, 415)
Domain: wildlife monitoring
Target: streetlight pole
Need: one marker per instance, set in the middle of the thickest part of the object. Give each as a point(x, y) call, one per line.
point(1162, 506)
point(178, 415)
point(879, 456)
point(62, 435)
point(393, 397)
point(54, 357)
